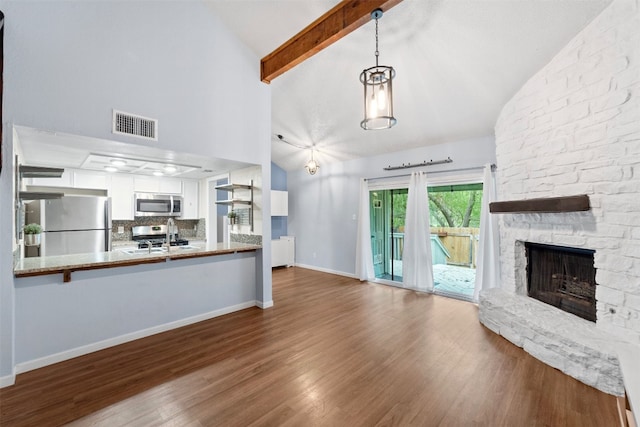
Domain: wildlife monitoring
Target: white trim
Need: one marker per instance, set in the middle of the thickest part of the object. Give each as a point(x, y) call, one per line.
point(388, 283)
point(327, 270)
point(7, 380)
point(264, 305)
point(101, 345)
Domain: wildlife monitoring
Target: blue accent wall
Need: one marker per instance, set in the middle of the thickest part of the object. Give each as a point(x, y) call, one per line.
point(278, 182)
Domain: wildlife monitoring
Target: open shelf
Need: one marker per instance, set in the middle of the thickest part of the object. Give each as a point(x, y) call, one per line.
point(238, 201)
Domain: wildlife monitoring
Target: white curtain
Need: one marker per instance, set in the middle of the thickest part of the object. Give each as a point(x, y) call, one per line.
point(416, 259)
point(488, 266)
point(364, 256)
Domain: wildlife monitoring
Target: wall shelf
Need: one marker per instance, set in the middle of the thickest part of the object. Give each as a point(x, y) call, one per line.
point(543, 205)
point(232, 188)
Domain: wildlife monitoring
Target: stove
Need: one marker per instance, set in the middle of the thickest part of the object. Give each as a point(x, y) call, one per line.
point(155, 235)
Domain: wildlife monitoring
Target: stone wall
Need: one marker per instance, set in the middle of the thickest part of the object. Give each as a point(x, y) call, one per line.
point(574, 128)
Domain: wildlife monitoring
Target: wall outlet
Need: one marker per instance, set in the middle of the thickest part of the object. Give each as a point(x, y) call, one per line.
point(353, 217)
point(120, 229)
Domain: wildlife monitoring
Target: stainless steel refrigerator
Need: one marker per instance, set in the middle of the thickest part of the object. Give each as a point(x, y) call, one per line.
point(70, 225)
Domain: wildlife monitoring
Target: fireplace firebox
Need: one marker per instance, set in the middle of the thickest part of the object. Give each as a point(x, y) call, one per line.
point(563, 277)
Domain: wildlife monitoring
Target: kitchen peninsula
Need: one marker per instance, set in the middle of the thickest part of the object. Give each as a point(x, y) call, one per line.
point(119, 296)
point(66, 264)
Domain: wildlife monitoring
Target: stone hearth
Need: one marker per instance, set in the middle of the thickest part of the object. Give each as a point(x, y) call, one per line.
point(562, 340)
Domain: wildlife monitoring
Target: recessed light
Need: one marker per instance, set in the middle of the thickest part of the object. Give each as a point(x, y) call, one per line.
point(157, 173)
point(117, 162)
point(111, 169)
point(170, 169)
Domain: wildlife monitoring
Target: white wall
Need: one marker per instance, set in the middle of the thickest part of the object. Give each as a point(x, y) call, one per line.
point(68, 64)
point(574, 128)
point(322, 206)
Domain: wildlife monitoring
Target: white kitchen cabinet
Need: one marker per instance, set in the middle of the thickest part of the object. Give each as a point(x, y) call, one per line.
point(145, 184)
point(169, 186)
point(190, 199)
point(89, 179)
point(150, 184)
point(279, 203)
point(121, 193)
point(283, 251)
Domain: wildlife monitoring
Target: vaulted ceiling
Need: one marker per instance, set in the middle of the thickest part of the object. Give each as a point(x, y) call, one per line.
point(457, 62)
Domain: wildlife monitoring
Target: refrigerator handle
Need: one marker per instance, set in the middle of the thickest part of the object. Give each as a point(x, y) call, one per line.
point(107, 226)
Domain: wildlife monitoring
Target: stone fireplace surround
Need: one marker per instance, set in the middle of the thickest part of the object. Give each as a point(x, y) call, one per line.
point(572, 129)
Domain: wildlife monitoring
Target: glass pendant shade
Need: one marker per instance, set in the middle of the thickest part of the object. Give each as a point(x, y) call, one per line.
point(378, 97)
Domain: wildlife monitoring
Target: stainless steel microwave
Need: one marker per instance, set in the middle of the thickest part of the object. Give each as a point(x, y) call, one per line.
point(150, 204)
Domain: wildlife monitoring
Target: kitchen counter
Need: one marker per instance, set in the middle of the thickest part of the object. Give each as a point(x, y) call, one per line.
point(66, 264)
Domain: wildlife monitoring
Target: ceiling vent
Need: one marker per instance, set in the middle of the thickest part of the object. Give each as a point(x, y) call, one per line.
point(133, 125)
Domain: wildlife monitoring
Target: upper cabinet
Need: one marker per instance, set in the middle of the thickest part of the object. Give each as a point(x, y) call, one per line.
point(121, 193)
point(279, 203)
point(190, 199)
point(89, 179)
point(147, 184)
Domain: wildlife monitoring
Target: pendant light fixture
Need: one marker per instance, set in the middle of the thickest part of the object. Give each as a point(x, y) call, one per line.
point(312, 166)
point(378, 93)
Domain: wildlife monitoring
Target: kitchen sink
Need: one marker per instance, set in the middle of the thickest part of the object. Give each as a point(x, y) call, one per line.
point(143, 251)
point(187, 247)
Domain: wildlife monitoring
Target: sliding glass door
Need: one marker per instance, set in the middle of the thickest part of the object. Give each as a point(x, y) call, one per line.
point(387, 209)
point(454, 220)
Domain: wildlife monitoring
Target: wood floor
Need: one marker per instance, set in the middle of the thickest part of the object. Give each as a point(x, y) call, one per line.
point(331, 352)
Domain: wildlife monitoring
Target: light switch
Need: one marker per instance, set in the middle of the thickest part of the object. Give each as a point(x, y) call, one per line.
point(120, 229)
point(353, 217)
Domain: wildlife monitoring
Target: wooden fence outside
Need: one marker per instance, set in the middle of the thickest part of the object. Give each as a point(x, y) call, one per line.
point(461, 243)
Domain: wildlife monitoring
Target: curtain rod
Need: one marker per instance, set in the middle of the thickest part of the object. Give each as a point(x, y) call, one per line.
point(424, 163)
point(493, 168)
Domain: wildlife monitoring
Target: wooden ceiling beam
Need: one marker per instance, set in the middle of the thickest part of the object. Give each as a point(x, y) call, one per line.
point(345, 17)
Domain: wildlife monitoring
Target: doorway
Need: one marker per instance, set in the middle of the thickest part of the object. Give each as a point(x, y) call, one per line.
point(387, 214)
point(454, 220)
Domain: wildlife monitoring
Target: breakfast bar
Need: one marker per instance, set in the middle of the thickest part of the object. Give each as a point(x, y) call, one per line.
point(66, 264)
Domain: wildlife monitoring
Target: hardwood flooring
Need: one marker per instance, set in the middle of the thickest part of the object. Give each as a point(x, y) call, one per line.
point(331, 352)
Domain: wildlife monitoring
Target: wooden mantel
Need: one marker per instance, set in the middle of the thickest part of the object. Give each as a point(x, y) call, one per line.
point(542, 205)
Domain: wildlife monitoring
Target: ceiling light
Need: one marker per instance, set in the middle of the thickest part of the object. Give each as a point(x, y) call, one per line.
point(170, 169)
point(111, 169)
point(157, 173)
point(378, 93)
point(312, 166)
point(117, 162)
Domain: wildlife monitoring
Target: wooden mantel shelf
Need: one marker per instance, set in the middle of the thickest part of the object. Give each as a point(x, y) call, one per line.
point(542, 205)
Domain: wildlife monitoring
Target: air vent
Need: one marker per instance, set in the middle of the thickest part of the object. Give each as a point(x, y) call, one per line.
point(130, 124)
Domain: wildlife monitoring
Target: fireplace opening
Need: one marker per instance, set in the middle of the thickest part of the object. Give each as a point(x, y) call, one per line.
point(562, 277)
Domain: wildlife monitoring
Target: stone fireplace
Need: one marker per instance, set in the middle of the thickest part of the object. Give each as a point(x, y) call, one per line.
point(573, 129)
point(562, 277)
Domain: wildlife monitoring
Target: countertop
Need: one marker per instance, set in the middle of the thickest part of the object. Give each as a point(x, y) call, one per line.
point(38, 266)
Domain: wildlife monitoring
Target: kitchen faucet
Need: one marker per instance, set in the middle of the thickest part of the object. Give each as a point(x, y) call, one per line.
point(170, 236)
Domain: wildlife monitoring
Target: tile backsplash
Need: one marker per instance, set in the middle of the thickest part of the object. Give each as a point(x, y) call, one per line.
point(187, 228)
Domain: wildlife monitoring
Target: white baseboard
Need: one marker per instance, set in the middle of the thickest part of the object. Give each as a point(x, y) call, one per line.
point(327, 270)
point(263, 305)
point(101, 345)
point(7, 381)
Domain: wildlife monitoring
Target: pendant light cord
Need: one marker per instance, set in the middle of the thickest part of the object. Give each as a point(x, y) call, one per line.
point(377, 52)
